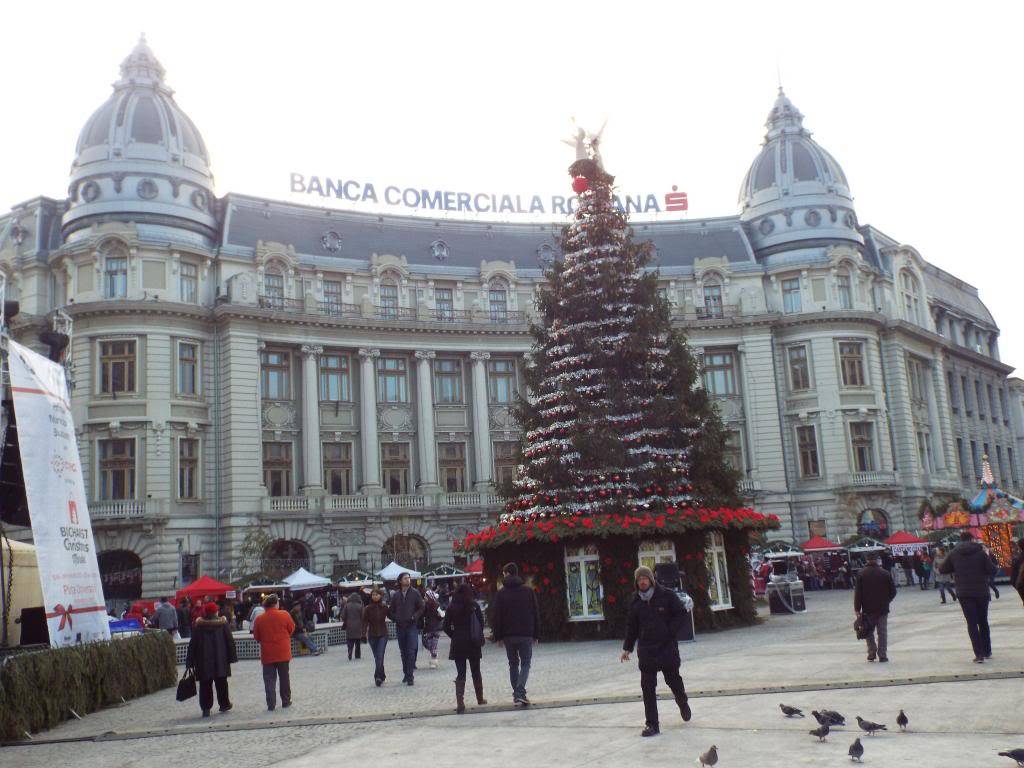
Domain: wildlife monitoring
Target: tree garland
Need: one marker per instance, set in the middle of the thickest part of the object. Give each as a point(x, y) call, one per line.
point(556, 528)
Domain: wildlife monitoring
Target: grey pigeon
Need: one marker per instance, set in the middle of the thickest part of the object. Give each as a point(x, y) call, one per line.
point(902, 720)
point(856, 750)
point(867, 725)
point(835, 717)
point(791, 711)
point(821, 732)
point(1014, 754)
point(710, 757)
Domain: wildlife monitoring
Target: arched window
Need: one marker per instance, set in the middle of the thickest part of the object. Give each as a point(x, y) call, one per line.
point(406, 550)
point(497, 301)
point(911, 293)
point(115, 270)
point(273, 289)
point(713, 304)
point(389, 298)
point(844, 289)
point(285, 556)
point(120, 574)
point(873, 523)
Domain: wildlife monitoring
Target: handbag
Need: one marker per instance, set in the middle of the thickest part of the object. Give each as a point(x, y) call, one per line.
point(187, 685)
point(861, 627)
point(476, 629)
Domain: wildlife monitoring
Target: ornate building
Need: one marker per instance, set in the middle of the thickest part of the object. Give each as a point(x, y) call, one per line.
point(343, 381)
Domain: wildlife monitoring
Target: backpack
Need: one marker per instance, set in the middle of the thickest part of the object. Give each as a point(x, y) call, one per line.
point(476, 628)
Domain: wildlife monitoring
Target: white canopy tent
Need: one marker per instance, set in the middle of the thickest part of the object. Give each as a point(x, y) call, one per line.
point(393, 570)
point(303, 579)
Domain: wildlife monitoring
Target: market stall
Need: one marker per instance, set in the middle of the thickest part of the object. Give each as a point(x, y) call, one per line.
point(903, 543)
point(302, 580)
point(393, 570)
point(443, 572)
point(205, 586)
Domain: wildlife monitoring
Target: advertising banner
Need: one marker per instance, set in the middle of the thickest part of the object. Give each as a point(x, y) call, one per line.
point(61, 529)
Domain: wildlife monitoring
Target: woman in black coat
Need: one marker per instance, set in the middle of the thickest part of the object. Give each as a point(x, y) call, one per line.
point(464, 624)
point(211, 652)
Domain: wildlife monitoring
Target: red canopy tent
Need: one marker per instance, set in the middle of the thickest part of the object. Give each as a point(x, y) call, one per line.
point(204, 586)
point(820, 544)
point(476, 568)
point(905, 543)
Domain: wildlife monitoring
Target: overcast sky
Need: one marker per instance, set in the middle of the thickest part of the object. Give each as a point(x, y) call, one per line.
point(920, 102)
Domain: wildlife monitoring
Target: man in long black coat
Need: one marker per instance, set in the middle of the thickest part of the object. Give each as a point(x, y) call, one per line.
point(211, 652)
point(655, 618)
point(874, 591)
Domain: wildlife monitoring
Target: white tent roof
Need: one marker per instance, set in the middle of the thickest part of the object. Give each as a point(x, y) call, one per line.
point(303, 579)
point(393, 570)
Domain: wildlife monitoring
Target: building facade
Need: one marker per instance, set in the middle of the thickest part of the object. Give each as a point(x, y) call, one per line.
point(343, 383)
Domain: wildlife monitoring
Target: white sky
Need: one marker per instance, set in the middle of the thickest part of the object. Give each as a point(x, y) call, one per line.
point(920, 102)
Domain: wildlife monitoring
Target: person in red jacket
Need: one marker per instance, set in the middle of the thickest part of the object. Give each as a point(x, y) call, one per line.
point(273, 631)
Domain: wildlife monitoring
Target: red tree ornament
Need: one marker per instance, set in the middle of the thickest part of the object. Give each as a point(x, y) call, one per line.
point(580, 184)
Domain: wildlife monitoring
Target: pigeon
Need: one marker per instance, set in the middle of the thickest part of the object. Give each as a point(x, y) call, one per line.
point(867, 725)
point(835, 717)
point(821, 732)
point(902, 720)
point(710, 757)
point(856, 750)
point(828, 717)
point(790, 711)
point(1014, 754)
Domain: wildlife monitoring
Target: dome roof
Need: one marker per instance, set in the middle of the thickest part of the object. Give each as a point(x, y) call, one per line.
point(140, 156)
point(795, 193)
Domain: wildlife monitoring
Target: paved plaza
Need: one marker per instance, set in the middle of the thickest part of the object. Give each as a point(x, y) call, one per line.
point(587, 709)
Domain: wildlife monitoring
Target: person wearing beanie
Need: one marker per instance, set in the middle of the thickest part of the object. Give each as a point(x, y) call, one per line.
point(655, 618)
point(211, 652)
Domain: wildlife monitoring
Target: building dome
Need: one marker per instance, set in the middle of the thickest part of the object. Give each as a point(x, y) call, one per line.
point(140, 158)
point(795, 194)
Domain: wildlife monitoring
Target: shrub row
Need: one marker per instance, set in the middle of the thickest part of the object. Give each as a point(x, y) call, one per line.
point(38, 690)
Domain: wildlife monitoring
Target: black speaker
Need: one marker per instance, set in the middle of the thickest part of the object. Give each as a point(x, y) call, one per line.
point(33, 626)
point(667, 575)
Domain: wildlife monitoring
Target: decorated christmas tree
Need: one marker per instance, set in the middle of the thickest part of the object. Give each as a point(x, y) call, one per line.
point(617, 419)
point(622, 460)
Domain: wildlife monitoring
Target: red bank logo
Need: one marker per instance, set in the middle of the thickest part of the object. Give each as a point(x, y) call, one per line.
point(72, 512)
point(676, 201)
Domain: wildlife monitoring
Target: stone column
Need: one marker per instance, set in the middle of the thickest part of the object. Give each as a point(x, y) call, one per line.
point(481, 422)
point(425, 423)
point(312, 469)
point(368, 421)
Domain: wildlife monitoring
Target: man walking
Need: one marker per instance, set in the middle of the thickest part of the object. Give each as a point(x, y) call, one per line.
point(655, 617)
point(942, 580)
point(1017, 570)
point(874, 591)
point(972, 569)
point(516, 625)
point(165, 617)
point(273, 631)
point(406, 609)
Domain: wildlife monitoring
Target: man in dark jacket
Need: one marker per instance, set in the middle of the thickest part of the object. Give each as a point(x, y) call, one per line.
point(655, 617)
point(184, 618)
point(874, 591)
point(972, 569)
point(405, 610)
point(211, 652)
point(515, 623)
point(165, 617)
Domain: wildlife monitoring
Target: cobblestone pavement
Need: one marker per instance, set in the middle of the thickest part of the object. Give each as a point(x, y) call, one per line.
point(928, 643)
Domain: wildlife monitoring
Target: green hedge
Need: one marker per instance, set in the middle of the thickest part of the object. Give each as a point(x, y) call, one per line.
point(38, 690)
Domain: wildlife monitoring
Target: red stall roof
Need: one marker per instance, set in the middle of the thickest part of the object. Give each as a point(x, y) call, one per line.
point(204, 586)
point(902, 537)
point(818, 543)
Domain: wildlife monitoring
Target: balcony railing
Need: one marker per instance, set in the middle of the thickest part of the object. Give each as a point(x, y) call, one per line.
point(748, 486)
point(119, 510)
point(713, 312)
point(862, 479)
point(281, 304)
point(357, 502)
point(388, 313)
